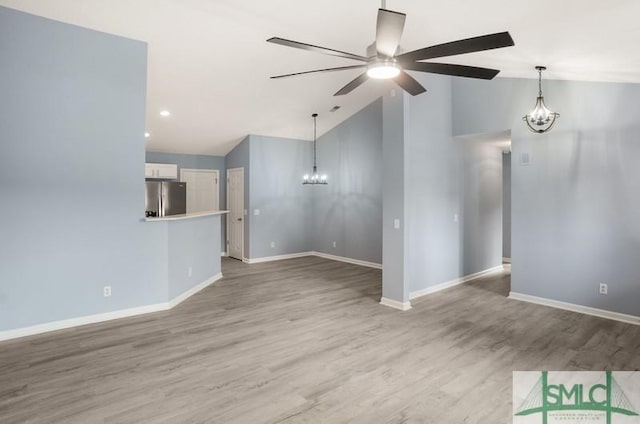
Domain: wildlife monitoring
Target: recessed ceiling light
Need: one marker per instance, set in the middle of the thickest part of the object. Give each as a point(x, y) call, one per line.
point(165, 113)
point(147, 135)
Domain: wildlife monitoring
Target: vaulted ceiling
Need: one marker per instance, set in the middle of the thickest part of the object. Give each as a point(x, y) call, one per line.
point(209, 63)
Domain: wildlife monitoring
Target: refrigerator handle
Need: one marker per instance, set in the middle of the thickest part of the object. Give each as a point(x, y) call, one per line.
point(160, 210)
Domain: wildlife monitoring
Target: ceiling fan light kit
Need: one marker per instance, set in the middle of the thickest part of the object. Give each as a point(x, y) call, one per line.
point(383, 70)
point(540, 119)
point(386, 60)
point(314, 178)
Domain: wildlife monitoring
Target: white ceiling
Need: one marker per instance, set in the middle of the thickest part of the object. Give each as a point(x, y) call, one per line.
point(209, 63)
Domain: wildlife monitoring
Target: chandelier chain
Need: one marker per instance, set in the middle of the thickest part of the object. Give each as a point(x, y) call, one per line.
point(315, 115)
point(539, 82)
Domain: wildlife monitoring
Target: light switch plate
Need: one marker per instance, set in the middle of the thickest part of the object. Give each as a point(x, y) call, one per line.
point(396, 224)
point(256, 211)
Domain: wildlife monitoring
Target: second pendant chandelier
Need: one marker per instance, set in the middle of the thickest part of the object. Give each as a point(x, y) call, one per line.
point(314, 178)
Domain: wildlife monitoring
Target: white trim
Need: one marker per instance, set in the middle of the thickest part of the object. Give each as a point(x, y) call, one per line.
point(223, 254)
point(587, 310)
point(446, 285)
point(277, 258)
point(313, 253)
point(506, 260)
point(193, 290)
point(403, 306)
point(347, 260)
point(107, 316)
point(76, 322)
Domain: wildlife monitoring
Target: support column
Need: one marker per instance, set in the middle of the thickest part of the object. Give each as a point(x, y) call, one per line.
point(395, 290)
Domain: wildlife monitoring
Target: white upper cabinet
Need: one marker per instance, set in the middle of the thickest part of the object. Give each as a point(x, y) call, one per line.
point(165, 171)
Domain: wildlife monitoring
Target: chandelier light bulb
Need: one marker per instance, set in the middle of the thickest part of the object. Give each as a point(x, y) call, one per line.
point(541, 119)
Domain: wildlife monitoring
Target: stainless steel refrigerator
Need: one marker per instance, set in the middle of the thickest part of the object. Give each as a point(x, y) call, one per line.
point(165, 198)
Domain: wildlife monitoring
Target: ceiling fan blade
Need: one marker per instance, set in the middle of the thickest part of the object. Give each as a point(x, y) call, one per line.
point(450, 69)
point(342, 68)
point(317, 49)
point(389, 31)
point(409, 84)
point(352, 85)
point(469, 45)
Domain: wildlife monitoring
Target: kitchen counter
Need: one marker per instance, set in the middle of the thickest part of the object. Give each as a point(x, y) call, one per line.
point(184, 216)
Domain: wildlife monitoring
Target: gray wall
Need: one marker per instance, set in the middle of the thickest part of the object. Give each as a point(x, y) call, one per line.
point(240, 157)
point(349, 209)
point(481, 205)
point(276, 189)
point(575, 206)
point(189, 246)
point(73, 103)
point(394, 285)
point(71, 216)
point(506, 205)
point(299, 218)
point(431, 187)
point(199, 162)
point(449, 192)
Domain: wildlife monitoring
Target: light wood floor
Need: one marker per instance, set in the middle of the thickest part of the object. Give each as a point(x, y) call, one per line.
point(305, 341)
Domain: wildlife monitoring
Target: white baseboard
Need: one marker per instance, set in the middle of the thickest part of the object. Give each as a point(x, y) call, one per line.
point(107, 316)
point(313, 253)
point(347, 260)
point(446, 285)
point(506, 260)
point(587, 310)
point(403, 306)
point(276, 258)
point(184, 296)
point(224, 254)
point(76, 322)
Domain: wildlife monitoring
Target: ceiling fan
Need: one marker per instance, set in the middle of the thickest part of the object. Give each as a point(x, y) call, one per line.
point(386, 60)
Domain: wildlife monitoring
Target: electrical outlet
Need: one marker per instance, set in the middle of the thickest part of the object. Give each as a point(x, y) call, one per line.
point(256, 211)
point(455, 217)
point(190, 271)
point(106, 291)
point(396, 224)
point(604, 288)
point(334, 244)
point(273, 244)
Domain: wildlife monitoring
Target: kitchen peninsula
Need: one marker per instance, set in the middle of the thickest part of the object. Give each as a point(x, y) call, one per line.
point(192, 250)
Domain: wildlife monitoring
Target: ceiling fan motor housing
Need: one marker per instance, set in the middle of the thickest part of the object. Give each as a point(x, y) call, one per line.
point(372, 52)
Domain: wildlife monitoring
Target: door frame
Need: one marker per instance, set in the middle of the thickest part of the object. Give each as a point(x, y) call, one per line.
point(205, 171)
point(244, 220)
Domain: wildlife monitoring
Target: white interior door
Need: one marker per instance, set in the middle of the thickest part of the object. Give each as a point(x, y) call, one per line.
point(202, 189)
point(235, 204)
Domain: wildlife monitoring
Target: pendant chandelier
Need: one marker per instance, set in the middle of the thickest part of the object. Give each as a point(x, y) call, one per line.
point(314, 178)
point(541, 119)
